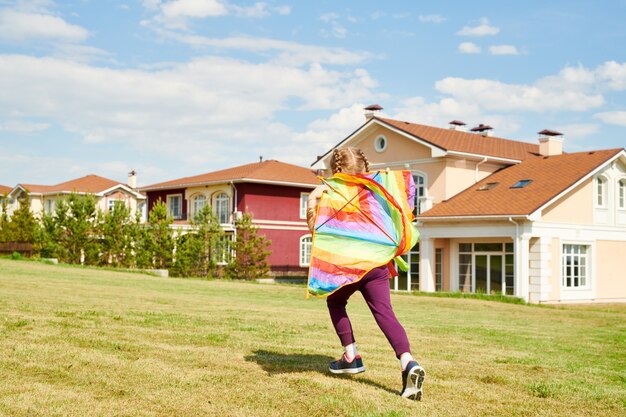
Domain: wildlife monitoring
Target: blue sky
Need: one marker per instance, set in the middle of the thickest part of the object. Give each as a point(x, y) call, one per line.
point(173, 88)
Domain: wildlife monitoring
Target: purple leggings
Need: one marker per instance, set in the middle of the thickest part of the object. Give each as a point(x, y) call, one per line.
point(375, 289)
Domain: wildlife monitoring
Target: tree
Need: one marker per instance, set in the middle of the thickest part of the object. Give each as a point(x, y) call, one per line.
point(117, 236)
point(250, 260)
point(22, 226)
point(74, 227)
point(156, 242)
point(4, 219)
point(199, 251)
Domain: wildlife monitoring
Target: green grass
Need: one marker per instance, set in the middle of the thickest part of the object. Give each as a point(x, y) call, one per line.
point(87, 342)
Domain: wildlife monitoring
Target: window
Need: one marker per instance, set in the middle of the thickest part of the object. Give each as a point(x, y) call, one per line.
point(380, 143)
point(600, 192)
point(438, 269)
point(305, 250)
point(304, 204)
point(49, 206)
point(175, 205)
point(111, 203)
point(488, 186)
point(222, 208)
point(198, 203)
point(521, 183)
point(420, 191)
point(621, 193)
point(575, 266)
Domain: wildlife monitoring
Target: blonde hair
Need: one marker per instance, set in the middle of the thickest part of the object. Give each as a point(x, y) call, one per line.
point(349, 161)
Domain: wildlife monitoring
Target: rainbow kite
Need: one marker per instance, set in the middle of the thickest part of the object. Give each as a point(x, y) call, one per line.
point(363, 221)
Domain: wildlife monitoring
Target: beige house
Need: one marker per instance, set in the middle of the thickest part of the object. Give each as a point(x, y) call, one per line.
point(506, 217)
point(44, 198)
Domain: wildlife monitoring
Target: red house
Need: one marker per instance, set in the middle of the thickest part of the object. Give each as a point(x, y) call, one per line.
point(274, 192)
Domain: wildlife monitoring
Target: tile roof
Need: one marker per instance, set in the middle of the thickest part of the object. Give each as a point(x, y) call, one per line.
point(4, 189)
point(550, 176)
point(87, 184)
point(271, 171)
point(459, 141)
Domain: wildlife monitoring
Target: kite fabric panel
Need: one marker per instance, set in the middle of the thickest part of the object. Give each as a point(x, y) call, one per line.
point(362, 222)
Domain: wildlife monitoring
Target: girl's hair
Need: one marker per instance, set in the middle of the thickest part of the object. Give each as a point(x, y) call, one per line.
point(349, 161)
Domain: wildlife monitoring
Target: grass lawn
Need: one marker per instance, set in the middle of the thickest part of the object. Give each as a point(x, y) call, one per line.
point(87, 342)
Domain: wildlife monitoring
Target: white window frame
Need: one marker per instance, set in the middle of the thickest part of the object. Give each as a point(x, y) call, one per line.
point(304, 252)
point(377, 143)
point(220, 212)
point(49, 206)
point(621, 193)
point(194, 203)
point(600, 192)
point(169, 198)
point(111, 203)
point(417, 203)
point(589, 268)
point(304, 204)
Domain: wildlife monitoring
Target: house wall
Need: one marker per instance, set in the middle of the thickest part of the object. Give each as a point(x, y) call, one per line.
point(610, 274)
point(154, 196)
point(399, 147)
point(210, 192)
point(576, 207)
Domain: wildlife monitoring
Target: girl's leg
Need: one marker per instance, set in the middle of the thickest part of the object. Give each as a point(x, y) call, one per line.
point(336, 303)
point(375, 290)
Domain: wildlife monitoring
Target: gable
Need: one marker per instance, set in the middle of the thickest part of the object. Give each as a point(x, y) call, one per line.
point(398, 147)
point(576, 207)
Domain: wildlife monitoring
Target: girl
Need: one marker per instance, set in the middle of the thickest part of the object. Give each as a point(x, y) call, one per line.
point(374, 286)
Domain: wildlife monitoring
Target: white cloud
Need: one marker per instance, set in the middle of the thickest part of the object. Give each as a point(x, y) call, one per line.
point(541, 96)
point(469, 48)
point(283, 10)
point(577, 131)
point(192, 8)
point(23, 126)
point(612, 117)
point(431, 18)
point(614, 74)
point(329, 17)
point(16, 25)
point(289, 53)
point(483, 29)
point(258, 10)
point(215, 107)
point(503, 50)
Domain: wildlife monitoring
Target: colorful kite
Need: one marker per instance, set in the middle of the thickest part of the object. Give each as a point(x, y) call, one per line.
point(363, 222)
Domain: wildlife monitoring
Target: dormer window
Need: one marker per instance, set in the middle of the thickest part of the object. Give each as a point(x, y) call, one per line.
point(521, 183)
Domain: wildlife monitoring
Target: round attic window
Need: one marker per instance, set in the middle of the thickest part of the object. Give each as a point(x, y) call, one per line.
point(380, 143)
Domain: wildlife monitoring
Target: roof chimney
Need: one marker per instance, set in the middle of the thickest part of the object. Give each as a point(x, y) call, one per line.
point(482, 129)
point(550, 143)
point(132, 179)
point(372, 110)
point(456, 125)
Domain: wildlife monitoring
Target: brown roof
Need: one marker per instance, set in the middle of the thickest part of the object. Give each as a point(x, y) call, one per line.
point(550, 176)
point(458, 141)
point(270, 171)
point(4, 189)
point(86, 184)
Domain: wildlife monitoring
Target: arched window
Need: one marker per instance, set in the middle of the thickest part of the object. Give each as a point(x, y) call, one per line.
point(305, 250)
point(601, 196)
point(222, 207)
point(621, 192)
point(198, 203)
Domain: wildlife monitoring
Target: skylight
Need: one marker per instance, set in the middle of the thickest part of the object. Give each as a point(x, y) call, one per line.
point(521, 183)
point(488, 186)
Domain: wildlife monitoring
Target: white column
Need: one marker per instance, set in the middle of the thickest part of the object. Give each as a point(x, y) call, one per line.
point(540, 270)
point(522, 267)
point(427, 262)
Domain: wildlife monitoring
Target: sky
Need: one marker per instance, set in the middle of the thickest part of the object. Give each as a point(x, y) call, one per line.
point(174, 88)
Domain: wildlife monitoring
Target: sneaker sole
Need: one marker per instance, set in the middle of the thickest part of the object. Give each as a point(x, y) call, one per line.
point(414, 390)
point(348, 370)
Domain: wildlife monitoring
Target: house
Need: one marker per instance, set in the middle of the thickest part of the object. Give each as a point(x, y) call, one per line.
point(44, 198)
point(506, 217)
point(4, 191)
point(274, 192)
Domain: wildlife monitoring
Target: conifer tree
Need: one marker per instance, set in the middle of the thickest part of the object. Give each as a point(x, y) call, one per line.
point(156, 243)
point(22, 226)
point(250, 260)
